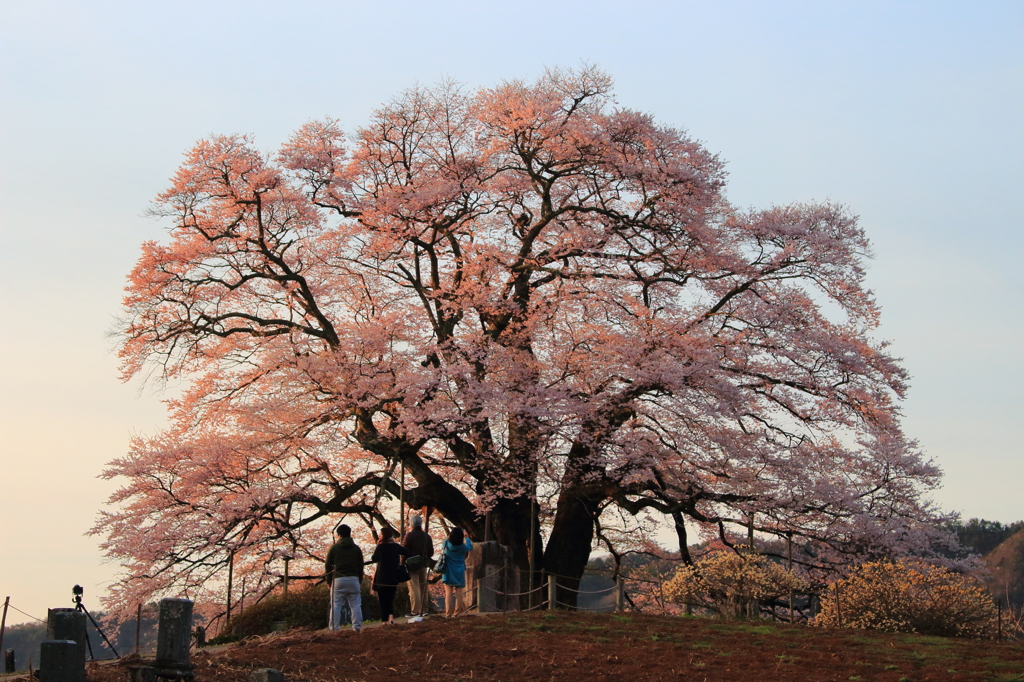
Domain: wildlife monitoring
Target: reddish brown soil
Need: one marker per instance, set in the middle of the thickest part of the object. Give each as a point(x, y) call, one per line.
point(591, 648)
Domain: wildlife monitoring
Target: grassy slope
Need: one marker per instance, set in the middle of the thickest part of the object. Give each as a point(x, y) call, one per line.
point(578, 647)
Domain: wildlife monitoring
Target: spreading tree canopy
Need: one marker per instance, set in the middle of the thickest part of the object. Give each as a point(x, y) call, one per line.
point(540, 305)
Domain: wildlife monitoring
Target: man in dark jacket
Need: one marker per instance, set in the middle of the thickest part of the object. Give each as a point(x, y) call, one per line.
point(344, 573)
point(417, 542)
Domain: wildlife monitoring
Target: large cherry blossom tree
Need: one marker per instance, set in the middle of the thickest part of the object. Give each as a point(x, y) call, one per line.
point(537, 304)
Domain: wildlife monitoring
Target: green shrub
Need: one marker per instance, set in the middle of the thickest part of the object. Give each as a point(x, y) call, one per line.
point(301, 608)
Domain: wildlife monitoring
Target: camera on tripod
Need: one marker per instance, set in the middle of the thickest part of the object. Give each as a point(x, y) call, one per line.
point(77, 591)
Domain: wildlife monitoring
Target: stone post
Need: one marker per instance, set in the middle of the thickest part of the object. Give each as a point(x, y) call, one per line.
point(67, 624)
point(490, 599)
point(492, 576)
point(60, 660)
point(266, 675)
point(175, 633)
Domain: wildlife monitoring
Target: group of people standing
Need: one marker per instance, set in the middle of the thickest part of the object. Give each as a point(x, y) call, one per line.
point(396, 563)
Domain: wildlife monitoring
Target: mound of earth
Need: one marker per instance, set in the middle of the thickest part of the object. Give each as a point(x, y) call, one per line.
point(592, 648)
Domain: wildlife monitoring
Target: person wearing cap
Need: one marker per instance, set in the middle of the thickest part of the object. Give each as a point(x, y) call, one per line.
point(419, 544)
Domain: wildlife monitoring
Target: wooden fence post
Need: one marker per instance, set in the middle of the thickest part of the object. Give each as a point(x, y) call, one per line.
point(3, 622)
point(789, 567)
point(231, 577)
point(839, 611)
point(401, 505)
point(533, 555)
point(138, 628)
point(551, 592)
point(620, 595)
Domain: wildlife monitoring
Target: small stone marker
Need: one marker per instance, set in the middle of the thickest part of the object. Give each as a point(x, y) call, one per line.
point(266, 675)
point(67, 624)
point(60, 660)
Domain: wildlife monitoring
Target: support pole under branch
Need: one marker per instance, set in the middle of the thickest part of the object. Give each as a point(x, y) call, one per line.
point(231, 578)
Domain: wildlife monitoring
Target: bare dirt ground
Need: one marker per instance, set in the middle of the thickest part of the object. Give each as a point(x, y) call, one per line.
point(592, 648)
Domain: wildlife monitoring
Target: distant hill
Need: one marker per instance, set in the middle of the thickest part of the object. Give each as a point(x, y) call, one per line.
point(1006, 562)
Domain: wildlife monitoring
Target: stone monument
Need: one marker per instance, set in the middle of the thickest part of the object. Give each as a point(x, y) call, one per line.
point(174, 637)
point(60, 660)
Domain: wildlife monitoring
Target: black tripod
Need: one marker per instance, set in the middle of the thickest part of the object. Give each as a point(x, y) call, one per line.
point(78, 591)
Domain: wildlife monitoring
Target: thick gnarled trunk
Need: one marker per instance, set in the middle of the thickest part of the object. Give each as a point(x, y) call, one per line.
point(572, 537)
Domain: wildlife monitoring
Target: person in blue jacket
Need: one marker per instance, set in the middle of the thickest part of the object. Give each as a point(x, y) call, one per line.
point(455, 549)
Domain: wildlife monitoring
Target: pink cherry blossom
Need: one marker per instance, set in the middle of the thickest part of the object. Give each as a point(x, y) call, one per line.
point(538, 303)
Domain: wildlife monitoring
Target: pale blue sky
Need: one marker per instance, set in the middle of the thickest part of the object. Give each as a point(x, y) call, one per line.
point(912, 113)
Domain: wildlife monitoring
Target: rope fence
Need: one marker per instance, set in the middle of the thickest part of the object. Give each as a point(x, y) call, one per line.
point(514, 594)
point(29, 615)
point(598, 609)
point(551, 588)
point(554, 586)
point(810, 601)
point(604, 591)
point(555, 593)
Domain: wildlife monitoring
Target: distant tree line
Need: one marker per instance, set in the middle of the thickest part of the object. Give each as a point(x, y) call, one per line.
point(26, 637)
point(982, 536)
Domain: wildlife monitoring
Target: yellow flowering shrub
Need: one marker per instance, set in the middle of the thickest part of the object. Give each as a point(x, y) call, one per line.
point(909, 596)
point(731, 584)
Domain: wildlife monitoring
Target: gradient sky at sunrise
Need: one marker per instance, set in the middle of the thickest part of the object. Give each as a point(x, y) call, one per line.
point(912, 113)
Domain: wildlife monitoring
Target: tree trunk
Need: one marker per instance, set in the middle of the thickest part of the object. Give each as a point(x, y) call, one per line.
point(572, 536)
point(579, 502)
point(510, 526)
point(679, 521)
